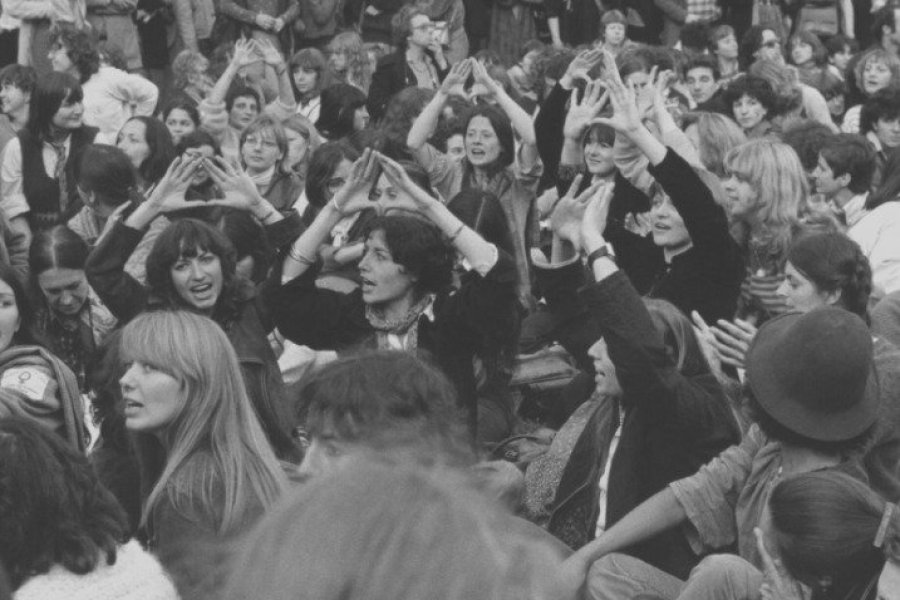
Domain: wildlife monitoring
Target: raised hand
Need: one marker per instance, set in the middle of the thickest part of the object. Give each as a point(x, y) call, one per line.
point(244, 53)
point(569, 212)
point(732, 340)
point(581, 65)
point(270, 54)
point(414, 198)
point(168, 195)
point(593, 222)
point(583, 111)
point(354, 194)
point(481, 76)
point(240, 191)
point(626, 116)
point(457, 76)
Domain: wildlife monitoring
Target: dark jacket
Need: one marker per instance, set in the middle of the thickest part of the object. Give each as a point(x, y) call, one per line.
point(393, 75)
point(247, 326)
point(483, 307)
point(674, 423)
point(283, 191)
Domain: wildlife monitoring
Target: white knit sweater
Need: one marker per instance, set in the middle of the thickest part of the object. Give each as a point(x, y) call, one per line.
point(136, 576)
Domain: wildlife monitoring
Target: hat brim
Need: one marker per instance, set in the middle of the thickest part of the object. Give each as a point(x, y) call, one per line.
point(789, 412)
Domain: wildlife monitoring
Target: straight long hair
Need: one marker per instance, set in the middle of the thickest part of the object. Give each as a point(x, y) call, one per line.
point(217, 456)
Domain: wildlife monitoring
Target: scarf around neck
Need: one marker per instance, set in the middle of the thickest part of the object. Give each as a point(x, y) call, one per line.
point(399, 326)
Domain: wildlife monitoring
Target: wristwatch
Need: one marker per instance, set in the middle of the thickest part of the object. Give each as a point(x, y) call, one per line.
point(604, 250)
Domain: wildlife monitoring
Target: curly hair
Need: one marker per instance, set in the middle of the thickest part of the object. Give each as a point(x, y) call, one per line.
point(400, 23)
point(420, 248)
point(754, 87)
point(884, 105)
point(81, 47)
point(53, 509)
point(359, 67)
point(399, 113)
point(186, 63)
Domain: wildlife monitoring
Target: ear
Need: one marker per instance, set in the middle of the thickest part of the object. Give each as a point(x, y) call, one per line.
point(831, 298)
point(844, 179)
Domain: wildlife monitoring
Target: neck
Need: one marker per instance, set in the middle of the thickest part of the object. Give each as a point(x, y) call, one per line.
point(671, 252)
point(18, 117)
point(481, 176)
point(842, 197)
point(414, 52)
point(57, 134)
point(797, 459)
point(398, 308)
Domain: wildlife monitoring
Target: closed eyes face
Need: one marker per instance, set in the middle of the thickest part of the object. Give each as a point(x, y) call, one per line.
point(800, 293)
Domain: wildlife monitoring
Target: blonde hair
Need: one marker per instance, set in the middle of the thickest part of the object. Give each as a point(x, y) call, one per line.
point(217, 456)
point(776, 174)
point(718, 136)
point(878, 55)
point(394, 531)
point(359, 68)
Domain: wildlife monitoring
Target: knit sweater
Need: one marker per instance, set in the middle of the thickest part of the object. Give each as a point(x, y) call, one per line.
point(136, 575)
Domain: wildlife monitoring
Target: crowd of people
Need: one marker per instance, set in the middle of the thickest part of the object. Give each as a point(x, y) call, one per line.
point(451, 299)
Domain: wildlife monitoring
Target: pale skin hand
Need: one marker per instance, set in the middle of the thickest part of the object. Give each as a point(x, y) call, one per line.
point(626, 116)
point(270, 54)
point(569, 212)
point(707, 343)
point(240, 191)
point(354, 194)
point(778, 585)
point(593, 223)
point(580, 66)
point(584, 110)
point(244, 53)
point(415, 199)
point(482, 77)
point(732, 340)
point(168, 195)
point(457, 76)
point(265, 21)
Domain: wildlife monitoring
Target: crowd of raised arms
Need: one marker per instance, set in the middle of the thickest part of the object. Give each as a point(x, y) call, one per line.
point(449, 299)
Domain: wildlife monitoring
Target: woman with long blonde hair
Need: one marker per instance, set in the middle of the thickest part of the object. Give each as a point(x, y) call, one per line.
point(349, 61)
point(766, 192)
point(207, 469)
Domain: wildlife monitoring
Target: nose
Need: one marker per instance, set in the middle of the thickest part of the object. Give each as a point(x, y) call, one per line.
point(66, 298)
point(782, 289)
point(310, 466)
point(127, 378)
point(196, 270)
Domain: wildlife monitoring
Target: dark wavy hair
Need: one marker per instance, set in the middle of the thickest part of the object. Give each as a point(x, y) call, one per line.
point(848, 153)
point(28, 332)
point(162, 152)
point(53, 509)
point(885, 104)
point(750, 43)
point(399, 113)
point(755, 87)
point(384, 399)
point(81, 46)
point(249, 239)
point(835, 263)
point(242, 91)
point(322, 165)
point(189, 238)
point(195, 139)
point(420, 248)
point(184, 105)
point(339, 103)
point(50, 93)
point(106, 172)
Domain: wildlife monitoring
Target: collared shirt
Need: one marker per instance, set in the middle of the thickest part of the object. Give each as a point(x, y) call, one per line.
point(603, 484)
point(311, 109)
point(12, 192)
point(878, 234)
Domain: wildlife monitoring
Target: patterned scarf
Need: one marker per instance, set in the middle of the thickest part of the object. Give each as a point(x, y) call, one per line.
point(400, 326)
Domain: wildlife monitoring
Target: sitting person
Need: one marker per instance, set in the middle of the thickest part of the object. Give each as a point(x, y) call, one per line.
point(812, 410)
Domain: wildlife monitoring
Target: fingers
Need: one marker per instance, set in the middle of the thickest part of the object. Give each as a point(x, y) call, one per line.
point(737, 332)
point(588, 194)
point(748, 328)
point(699, 322)
point(573, 188)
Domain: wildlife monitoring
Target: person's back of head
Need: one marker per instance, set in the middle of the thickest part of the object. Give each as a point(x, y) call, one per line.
point(53, 509)
point(386, 401)
point(380, 531)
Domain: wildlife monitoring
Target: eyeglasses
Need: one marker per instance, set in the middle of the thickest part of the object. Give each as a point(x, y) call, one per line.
point(771, 44)
point(424, 26)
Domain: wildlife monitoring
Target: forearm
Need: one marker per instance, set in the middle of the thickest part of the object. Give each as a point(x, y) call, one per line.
point(655, 515)
point(231, 9)
point(649, 146)
point(220, 89)
point(847, 12)
point(572, 154)
point(424, 125)
point(553, 25)
point(285, 92)
point(465, 239)
point(521, 121)
point(304, 251)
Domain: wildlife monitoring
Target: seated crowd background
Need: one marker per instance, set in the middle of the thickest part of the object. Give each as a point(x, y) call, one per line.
point(451, 299)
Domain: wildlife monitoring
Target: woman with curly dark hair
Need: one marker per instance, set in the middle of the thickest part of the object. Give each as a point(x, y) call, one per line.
point(407, 300)
point(110, 95)
point(64, 535)
point(192, 266)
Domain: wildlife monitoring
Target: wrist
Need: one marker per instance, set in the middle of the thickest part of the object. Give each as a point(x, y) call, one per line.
point(592, 243)
point(566, 82)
